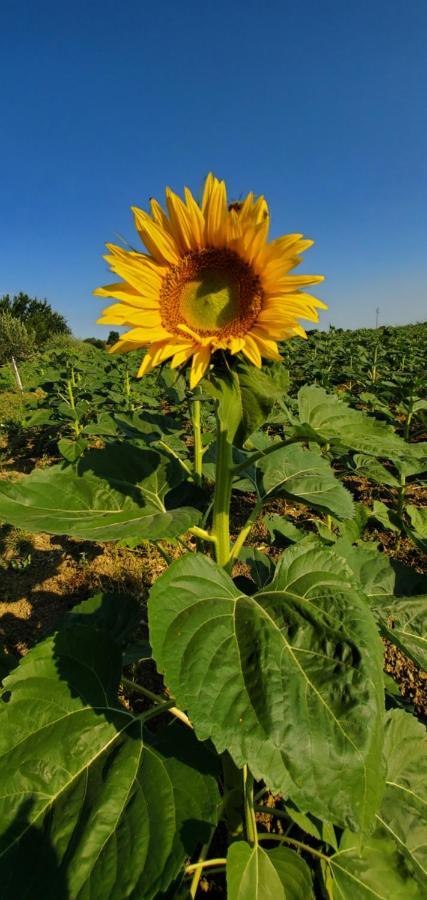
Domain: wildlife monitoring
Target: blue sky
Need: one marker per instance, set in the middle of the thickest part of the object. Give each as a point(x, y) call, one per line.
point(320, 106)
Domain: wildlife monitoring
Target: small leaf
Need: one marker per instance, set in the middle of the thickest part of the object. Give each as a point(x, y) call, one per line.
point(385, 516)
point(257, 874)
point(72, 450)
point(374, 470)
point(306, 476)
point(260, 565)
point(403, 621)
point(282, 531)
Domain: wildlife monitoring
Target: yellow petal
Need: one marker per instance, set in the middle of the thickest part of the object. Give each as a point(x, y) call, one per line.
point(181, 223)
point(251, 350)
point(182, 355)
point(196, 217)
point(199, 365)
point(267, 347)
point(158, 241)
point(120, 291)
point(123, 346)
point(130, 315)
point(141, 272)
point(157, 354)
point(215, 213)
point(151, 334)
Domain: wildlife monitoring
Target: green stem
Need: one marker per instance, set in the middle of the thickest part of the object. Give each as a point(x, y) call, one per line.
point(237, 546)
point(408, 425)
point(220, 861)
point(221, 509)
point(199, 869)
point(169, 706)
point(283, 839)
point(202, 534)
point(198, 447)
point(401, 496)
point(248, 797)
point(73, 406)
point(164, 446)
point(247, 463)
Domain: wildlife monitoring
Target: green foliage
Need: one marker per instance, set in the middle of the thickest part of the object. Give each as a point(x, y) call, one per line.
point(118, 811)
point(37, 316)
point(309, 630)
point(15, 339)
point(255, 874)
point(116, 493)
point(272, 670)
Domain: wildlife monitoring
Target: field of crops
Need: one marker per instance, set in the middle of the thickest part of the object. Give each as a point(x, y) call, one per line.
point(108, 482)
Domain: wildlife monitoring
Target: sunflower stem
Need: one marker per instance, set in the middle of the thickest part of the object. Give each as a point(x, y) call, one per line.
point(250, 820)
point(221, 509)
point(198, 447)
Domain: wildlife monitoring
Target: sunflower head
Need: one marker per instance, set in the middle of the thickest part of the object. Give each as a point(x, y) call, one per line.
point(210, 281)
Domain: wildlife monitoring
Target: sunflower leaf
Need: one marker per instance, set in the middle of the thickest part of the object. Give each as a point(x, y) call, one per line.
point(115, 493)
point(93, 803)
point(328, 419)
point(309, 630)
point(254, 873)
point(306, 476)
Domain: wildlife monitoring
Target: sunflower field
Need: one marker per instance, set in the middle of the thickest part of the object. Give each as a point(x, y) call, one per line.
point(213, 586)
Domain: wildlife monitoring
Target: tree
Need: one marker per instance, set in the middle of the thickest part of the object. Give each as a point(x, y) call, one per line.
point(112, 337)
point(36, 315)
point(15, 339)
point(96, 342)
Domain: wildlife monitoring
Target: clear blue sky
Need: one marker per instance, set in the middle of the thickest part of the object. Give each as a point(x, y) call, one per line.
point(320, 106)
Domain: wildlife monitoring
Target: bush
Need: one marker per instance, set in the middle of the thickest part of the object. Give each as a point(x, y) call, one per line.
point(15, 339)
point(37, 315)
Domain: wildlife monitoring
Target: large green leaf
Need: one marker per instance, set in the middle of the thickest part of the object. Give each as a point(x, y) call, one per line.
point(403, 814)
point(306, 476)
point(379, 871)
point(257, 874)
point(296, 666)
point(116, 493)
point(92, 803)
point(118, 614)
point(402, 620)
point(393, 862)
point(330, 419)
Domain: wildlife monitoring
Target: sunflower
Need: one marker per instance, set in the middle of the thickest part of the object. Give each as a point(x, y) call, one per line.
point(210, 281)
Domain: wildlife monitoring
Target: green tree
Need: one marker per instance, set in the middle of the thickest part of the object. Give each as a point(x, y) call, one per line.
point(36, 315)
point(112, 337)
point(15, 339)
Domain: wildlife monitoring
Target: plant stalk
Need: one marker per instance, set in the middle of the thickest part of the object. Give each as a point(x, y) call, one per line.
point(248, 797)
point(221, 509)
point(198, 447)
